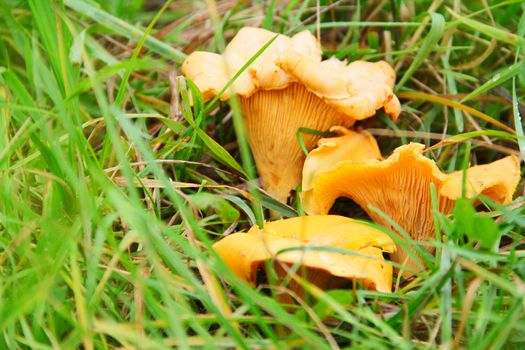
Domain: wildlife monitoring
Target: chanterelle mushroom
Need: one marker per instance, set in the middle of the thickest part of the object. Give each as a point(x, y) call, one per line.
point(286, 88)
point(400, 187)
point(247, 253)
point(351, 145)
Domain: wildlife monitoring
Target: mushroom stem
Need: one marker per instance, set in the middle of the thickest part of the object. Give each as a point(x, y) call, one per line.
point(269, 117)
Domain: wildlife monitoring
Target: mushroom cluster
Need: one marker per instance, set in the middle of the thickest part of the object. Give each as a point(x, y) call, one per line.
point(286, 88)
point(398, 186)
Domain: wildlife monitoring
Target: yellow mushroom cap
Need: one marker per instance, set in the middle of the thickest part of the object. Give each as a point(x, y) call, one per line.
point(357, 90)
point(211, 72)
point(400, 187)
point(244, 253)
point(497, 180)
point(289, 87)
point(351, 145)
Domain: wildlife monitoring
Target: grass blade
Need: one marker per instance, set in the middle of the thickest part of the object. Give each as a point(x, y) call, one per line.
point(123, 28)
point(496, 33)
point(429, 43)
point(496, 80)
point(220, 152)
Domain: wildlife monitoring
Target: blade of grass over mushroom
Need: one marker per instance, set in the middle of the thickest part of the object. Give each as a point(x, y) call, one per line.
point(412, 248)
point(284, 210)
point(496, 33)
point(236, 75)
point(413, 95)
point(123, 28)
point(445, 263)
point(464, 169)
point(429, 43)
point(310, 132)
point(337, 250)
point(247, 160)
point(435, 212)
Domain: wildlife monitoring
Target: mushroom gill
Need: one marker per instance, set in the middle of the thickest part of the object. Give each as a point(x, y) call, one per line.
point(303, 241)
point(289, 87)
point(400, 187)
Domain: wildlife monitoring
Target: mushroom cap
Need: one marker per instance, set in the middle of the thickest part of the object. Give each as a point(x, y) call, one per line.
point(211, 72)
point(390, 179)
point(356, 90)
point(351, 145)
point(497, 180)
point(399, 186)
point(245, 252)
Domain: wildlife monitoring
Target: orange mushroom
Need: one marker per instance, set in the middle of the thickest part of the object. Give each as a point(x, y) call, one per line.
point(350, 145)
point(247, 253)
point(286, 88)
point(400, 187)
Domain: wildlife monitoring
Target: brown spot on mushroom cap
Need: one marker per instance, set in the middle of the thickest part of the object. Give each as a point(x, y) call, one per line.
point(244, 253)
point(400, 187)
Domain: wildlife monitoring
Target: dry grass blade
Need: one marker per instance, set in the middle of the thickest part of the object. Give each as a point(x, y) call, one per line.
point(467, 306)
point(412, 95)
point(152, 183)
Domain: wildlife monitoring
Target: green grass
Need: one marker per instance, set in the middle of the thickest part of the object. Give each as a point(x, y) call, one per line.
point(112, 188)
